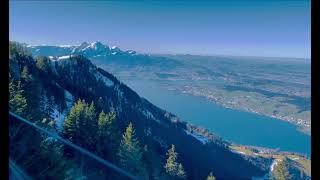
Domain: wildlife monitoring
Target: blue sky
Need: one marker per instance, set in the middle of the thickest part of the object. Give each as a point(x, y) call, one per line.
point(250, 28)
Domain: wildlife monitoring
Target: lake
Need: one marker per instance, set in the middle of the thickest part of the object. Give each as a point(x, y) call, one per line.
point(232, 125)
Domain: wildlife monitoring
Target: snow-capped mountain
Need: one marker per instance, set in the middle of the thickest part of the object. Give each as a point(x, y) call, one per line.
point(94, 49)
point(111, 58)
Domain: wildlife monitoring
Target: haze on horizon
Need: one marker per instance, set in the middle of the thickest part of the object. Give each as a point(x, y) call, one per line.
point(245, 28)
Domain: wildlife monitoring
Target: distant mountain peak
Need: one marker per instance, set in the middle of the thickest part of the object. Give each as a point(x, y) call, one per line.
point(131, 52)
point(84, 44)
point(96, 44)
point(89, 49)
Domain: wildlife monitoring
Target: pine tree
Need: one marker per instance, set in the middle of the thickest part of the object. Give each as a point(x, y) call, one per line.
point(25, 74)
point(80, 126)
point(180, 171)
point(107, 134)
point(106, 123)
point(32, 92)
point(17, 49)
point(17, 103)
point(91, 128)
point(130, 154)
point(43, 64)
point(70, 124)
point(50, 155)
point(103, 124)
point(211, 177)
point(281, 171)
point(173, 168)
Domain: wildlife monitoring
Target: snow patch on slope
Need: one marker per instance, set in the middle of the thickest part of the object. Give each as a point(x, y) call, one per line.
point(148, 114)
point(60, 117)
point(268, 175)
point(104, 79)
point(239, 152)
point(57, 58)
point(274, 163)
point(131, 52)
point(65, 57)
point(69, 99)
point(65, 46)
point(199, 137)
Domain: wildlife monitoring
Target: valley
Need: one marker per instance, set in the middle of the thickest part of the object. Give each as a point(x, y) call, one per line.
point(159, 90)
point(279, 90)
point(154, 107)
point(232, 125)
point(273, 87)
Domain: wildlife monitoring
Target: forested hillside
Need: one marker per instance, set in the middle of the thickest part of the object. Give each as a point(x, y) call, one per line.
point(280, 85)
point(93, 109)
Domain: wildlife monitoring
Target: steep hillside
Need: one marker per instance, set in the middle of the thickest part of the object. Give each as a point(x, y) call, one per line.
point(242, 83)
point(75, 77)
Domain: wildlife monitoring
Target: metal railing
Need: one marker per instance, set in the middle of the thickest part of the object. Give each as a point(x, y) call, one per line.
point(16, 173)
point(72, 145)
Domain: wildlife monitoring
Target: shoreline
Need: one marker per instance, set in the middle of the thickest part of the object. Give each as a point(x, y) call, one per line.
point(301, 125)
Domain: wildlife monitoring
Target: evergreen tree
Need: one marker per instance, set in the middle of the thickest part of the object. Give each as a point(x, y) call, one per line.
point(173, 168)
point(32, 92)
point(107, 133)
point(281, 171)
point(106, 123)
point(180, 171)
point(103, 124)
point(25, 74)
point(43, 63)
point(91, 128)
point(211, 177)
point(100, 103)
point(17, 103)
point(47, 105)
point(17, 49)
point(38, 156)
point(80, 125)
point(71, 123)
point(33, 152)
point(130, 154)
point(50, 155)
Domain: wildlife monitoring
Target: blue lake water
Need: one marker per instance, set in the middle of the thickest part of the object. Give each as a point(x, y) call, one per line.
point(232, 125)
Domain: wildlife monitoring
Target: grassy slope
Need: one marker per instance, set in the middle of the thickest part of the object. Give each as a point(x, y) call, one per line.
point(303, 162)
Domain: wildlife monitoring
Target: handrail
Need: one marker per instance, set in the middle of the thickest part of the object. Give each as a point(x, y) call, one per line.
point(76, 147)
point(16, 172)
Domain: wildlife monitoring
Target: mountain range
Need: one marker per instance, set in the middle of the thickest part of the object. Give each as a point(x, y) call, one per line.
point(77, 78)
point(70, 73)
point(290, 78)
point(89, 49)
